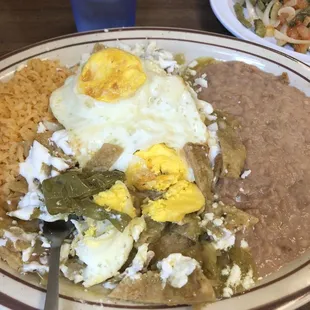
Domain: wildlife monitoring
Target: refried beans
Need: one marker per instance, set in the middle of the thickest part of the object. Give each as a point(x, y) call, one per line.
point(275, 120)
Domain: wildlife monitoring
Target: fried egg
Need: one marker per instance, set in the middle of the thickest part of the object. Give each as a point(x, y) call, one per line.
point(181, 198)
point(104, 249)
point(116, 198)
point(156, 168)
point(144, 106)
point(122, 75)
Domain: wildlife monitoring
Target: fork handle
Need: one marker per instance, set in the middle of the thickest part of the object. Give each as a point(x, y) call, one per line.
point(52, 291)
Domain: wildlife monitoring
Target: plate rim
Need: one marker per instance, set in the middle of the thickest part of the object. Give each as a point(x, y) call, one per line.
point(8, 55)
point(137, 28)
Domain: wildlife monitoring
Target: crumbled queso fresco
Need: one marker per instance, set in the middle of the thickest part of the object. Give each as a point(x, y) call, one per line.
point(60, 138)
point(176, 268)
point(201, 81)
point(245, 174)
point(236, 279)
point(32, 170)
point(228, 237)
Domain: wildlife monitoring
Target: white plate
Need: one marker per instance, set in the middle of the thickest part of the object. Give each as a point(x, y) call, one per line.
point(224, 11)
point(284, 290)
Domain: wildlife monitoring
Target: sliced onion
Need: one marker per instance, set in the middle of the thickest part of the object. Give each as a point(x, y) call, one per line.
point(266, 19)
point(281, 42)
point(259, 12)
point(291, 3)
point(276, 23)
point(284, 31)
point(281, 36)
point(306, 21)
point(251, 11)
point(289, 11)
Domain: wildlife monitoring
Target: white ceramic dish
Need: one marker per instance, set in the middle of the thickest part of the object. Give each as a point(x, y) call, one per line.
point(224, 11)
point(287, 289)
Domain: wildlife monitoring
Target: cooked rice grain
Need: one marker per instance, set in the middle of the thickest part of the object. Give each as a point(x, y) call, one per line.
point(24, 102)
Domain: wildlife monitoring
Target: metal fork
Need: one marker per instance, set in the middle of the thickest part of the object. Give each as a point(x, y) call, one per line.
point(55, 232)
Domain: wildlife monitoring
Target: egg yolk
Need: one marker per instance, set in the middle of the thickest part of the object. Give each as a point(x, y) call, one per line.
point(91, 231)
point(111, 74)
point(159, 168)
point(116, 198)
point(181, 198)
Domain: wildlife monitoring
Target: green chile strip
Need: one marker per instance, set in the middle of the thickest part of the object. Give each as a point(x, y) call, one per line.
point(260, 28)
point(72, 191)
point(239, 13)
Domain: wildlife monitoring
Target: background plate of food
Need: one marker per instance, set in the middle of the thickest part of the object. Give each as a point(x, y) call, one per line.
point(282, 25)
point(185, 156)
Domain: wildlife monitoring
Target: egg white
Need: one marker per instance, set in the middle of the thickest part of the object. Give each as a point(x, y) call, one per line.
point(163, 110)
point(107, 251)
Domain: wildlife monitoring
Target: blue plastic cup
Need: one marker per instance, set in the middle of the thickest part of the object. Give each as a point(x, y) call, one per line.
point(101, 14)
